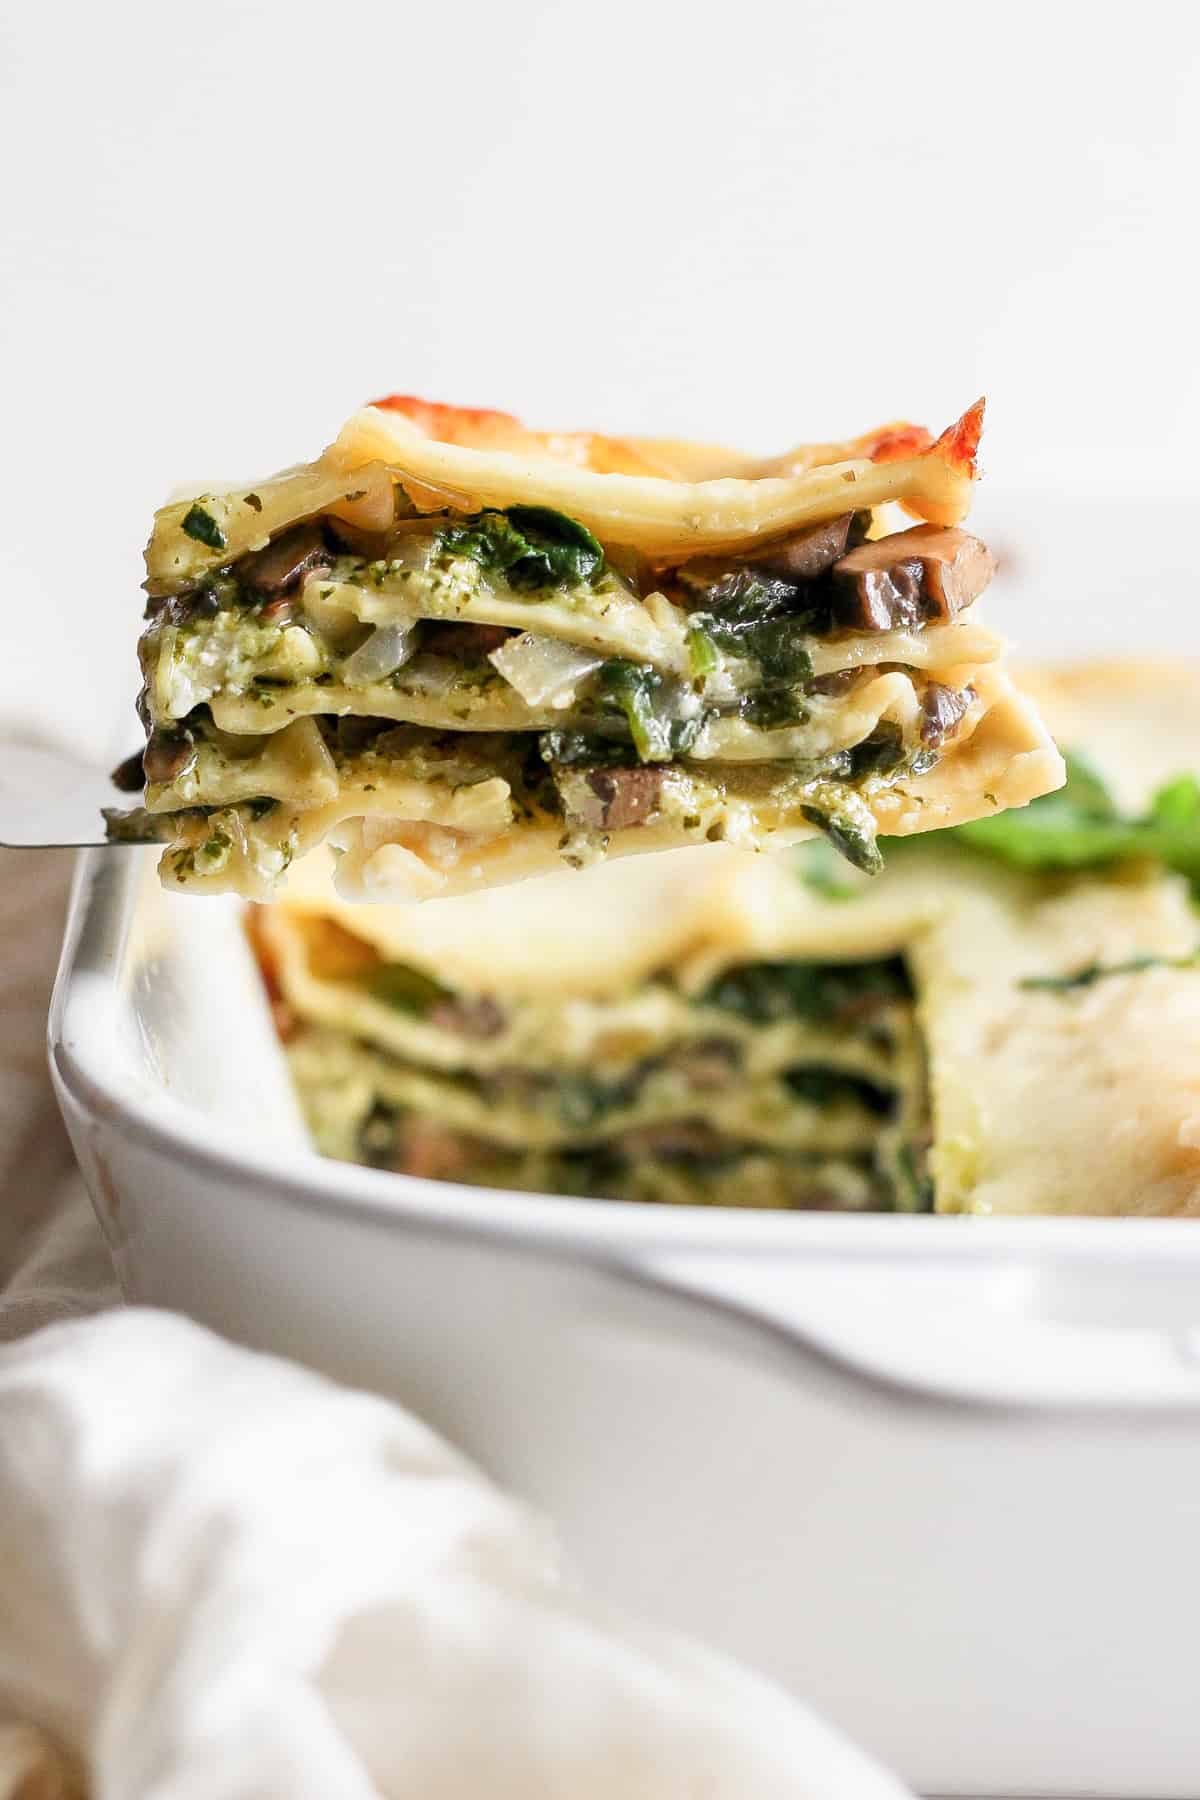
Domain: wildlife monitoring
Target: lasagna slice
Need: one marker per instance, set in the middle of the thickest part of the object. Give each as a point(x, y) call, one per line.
point(464, 653)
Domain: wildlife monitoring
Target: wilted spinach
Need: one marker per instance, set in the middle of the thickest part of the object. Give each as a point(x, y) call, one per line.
point(531, 546)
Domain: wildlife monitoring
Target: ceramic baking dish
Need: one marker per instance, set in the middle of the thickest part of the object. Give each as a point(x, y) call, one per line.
point(941, 1476)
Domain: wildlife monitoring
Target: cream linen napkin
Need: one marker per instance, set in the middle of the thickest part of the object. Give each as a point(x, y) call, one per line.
point(223, 1578)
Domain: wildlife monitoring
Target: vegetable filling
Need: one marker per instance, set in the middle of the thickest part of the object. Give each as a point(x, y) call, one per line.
point(781, 1084)
point(716, 697)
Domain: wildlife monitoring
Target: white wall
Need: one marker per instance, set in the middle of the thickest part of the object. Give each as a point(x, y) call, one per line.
point(226, 225)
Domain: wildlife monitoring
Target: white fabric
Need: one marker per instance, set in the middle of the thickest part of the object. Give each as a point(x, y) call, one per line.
point(226, 1577)
point(223, 1578)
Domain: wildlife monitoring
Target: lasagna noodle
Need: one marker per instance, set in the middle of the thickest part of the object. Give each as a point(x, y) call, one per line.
point(696, 913)
point(324, 971)
point(293, 763)
point(663, 517)
point(518, 1111)
point(256, 679)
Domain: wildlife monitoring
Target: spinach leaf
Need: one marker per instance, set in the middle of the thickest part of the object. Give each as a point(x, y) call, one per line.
point(1081, 827)
point(657, 717)
point(584, 1099)
point(773, 708)
point(841, 993)
point(822, 1086)
point(584, 750)
point(853, 837)
point(634, 690)
point(777, 645)
point(820, 868)
point(1091, 973)
point(912, 1188)
point(879, 754)
point(531, 546)
point(408, 990)
point(759, 618)
point(745, 597)
point(702, 652)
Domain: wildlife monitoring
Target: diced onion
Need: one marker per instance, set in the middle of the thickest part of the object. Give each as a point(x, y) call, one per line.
point(432, 676)
point(387, 649)
point(544, 670)
point(370, 503)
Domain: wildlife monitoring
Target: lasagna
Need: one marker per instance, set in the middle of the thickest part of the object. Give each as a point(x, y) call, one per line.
point(1007, 1020)
point(465, 653)
point(647, 1036)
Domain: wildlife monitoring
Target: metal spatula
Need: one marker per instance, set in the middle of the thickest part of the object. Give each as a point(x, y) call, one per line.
point(49, 798)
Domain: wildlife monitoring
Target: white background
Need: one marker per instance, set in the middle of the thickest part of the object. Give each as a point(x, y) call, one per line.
point(227, 225)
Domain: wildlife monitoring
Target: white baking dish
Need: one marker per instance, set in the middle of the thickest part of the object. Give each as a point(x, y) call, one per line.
point(942, 1476)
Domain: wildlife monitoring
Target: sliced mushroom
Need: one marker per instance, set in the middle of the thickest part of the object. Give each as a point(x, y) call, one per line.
point(619, 798)
point(433, 1151)
point(909, 578)
point(464, 642)
point(128, 775)
point(277, 569)
point(168, 755)
point(839, 682)
point(943, 708)
point(806, 555)
point(709, 1065)
point(469, 1016)
point(182, 609)
point(675, 1137)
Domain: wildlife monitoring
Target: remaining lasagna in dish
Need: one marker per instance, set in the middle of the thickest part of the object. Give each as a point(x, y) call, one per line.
point(1060, 982)
point(645, 1034)
point(465, 652)
point(1007, 1020)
